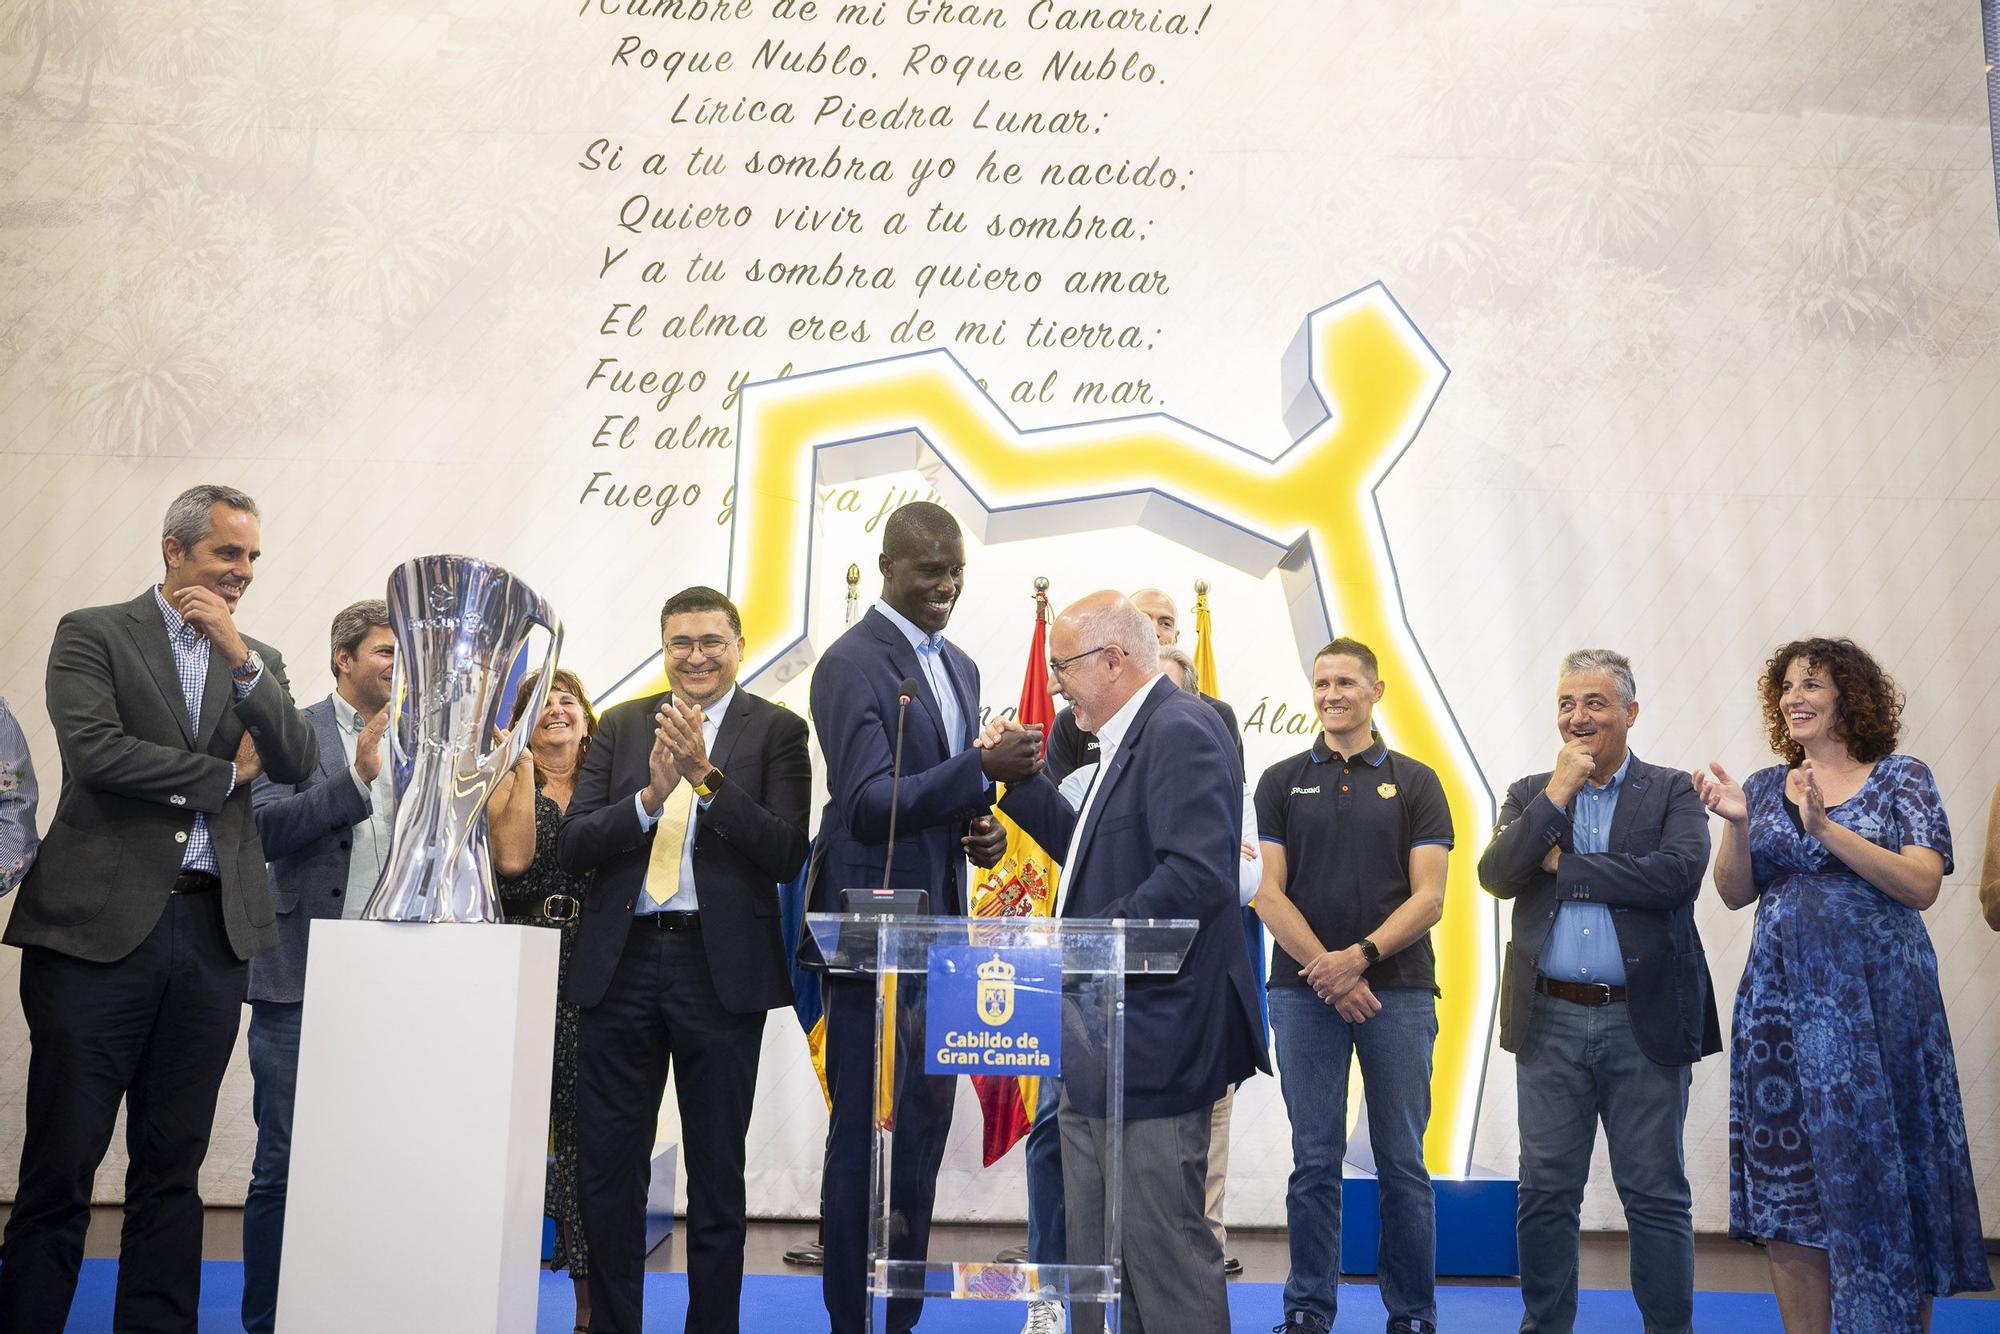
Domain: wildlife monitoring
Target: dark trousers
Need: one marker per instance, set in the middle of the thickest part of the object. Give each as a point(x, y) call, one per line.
point(659, 1011)
point(155, 1029)
point(274, 1072)
point(1581, 1064)
point(923, 1121)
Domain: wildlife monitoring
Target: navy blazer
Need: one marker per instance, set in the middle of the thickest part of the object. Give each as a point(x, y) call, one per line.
point(1164, 836)
point(307, 829)
point(1648, 877)
point(751, 839)
point(854, 694)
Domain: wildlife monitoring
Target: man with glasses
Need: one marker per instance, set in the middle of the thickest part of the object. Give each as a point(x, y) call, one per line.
point(691, 808)
point(1158, 833)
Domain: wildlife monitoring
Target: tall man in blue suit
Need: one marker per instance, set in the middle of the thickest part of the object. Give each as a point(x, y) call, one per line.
point(1604, 994)
point(1158, 834)
point(325, 839)
point(946, 785)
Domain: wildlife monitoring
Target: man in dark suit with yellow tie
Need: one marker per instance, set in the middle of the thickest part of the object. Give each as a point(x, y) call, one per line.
point(138, 919)
point(691, 808)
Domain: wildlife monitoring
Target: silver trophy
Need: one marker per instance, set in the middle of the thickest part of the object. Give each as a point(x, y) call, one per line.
point(462, 628)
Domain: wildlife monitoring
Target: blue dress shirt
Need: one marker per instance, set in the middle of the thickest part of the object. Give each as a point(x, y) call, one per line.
point(930, 657)
point(1582, 944)
point(191, 649)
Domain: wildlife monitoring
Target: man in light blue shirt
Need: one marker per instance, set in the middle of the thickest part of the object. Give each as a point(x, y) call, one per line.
point(1604, 997)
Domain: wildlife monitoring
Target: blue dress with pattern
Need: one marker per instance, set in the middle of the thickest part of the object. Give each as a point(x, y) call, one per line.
point(1845, 1127)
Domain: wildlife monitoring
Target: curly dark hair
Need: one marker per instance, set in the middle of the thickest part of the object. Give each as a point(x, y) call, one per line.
point(564, 679)
point(1867, 717)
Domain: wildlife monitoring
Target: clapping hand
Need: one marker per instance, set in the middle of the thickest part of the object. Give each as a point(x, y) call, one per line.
point(681, 724)
point(662, 775)
point(368, 746)
point(1722, 794)
point(1812, 810)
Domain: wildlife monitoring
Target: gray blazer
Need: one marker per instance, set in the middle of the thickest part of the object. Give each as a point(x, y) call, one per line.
point(135, 773)
point(308, 834)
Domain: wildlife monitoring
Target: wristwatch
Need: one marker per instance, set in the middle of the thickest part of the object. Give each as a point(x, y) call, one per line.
point(711, 783)
point(1369, 952)
point(252, 665)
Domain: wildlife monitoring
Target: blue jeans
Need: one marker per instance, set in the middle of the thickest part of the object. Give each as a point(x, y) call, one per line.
point(1048, 1237)
point(1315, 1047)
point(274, 1072)
point(1579, 1064)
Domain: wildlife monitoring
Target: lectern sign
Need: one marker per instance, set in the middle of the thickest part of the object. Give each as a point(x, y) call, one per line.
point(994, 1011)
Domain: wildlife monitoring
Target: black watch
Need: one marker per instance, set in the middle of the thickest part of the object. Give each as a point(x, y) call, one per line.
point(711, 783)
point(1369, 952)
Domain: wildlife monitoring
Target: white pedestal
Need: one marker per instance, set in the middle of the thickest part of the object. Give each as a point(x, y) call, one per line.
point(420, 1138)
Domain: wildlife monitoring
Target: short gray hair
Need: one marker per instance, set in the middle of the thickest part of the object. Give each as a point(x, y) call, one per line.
point(189, 517)
point(1178, 656)
point(1614, 665)
point(1130, 629)
point(351, 625)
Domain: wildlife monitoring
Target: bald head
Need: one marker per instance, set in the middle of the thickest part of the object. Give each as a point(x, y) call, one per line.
point(1108, 651)
point(1158, 608)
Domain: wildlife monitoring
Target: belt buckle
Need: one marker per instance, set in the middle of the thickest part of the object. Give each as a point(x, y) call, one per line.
point(571, 908)
point(1604, 988)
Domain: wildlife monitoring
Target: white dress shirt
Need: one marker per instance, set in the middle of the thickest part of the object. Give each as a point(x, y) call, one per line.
point(683, 899)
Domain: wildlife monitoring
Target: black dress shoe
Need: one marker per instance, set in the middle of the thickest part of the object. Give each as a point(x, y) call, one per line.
point(1231, 1265)
point(809, 1256)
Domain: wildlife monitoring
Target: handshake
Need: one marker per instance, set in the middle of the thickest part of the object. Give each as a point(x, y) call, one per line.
point(1011, 753)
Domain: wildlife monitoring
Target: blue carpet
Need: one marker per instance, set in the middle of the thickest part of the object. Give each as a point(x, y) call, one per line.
point(791, 1304)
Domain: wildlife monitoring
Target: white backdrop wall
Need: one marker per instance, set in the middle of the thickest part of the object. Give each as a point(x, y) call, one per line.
point(1716, 282)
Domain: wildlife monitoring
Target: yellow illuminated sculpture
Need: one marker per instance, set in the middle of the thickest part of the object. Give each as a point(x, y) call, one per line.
point(1359, 381)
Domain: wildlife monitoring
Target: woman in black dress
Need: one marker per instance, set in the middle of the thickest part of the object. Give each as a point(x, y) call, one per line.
point(534, 891)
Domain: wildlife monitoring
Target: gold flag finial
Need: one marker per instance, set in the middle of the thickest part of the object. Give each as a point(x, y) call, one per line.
point(1201, 588)
point(853, 591)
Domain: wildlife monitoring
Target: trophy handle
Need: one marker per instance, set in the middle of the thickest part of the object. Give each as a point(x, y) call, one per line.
point(489, 772)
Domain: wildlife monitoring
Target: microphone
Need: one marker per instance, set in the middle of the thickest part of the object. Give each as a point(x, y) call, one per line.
point(906, 691)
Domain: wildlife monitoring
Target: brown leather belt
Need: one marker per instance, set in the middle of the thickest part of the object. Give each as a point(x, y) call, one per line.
point(1580, 993)
point(196, 882)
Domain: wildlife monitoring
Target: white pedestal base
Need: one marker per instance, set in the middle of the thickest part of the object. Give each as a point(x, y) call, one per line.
point(420, 1138)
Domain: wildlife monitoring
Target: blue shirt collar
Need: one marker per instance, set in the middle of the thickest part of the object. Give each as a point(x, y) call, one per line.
point(921, 641)
point(1617, 782)
point(1377, 751)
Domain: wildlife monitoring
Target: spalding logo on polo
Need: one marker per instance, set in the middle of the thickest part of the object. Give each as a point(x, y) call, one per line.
point(1305, 791)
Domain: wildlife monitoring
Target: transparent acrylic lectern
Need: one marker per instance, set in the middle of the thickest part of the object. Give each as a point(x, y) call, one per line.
point(994, 998)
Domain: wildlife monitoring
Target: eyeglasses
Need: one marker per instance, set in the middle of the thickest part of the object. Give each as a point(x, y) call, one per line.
point(1056, 665)
point(711, 646)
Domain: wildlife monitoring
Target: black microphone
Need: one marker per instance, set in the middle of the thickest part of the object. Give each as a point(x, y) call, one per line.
point(906, 692)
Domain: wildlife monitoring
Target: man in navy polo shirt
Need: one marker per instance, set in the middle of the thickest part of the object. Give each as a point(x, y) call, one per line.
point(1355, 838)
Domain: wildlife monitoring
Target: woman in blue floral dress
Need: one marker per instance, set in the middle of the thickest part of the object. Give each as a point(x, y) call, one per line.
point(1848, 1157)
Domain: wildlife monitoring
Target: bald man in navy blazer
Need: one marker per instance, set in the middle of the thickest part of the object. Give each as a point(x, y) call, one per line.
point(943, 810)
point(1159, 834)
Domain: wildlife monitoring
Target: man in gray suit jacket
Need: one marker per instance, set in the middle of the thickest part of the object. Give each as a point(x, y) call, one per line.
point(1604, 994)
point(325, 838)
point(137, 918)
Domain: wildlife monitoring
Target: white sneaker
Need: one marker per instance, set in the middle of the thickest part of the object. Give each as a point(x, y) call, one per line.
point(1044, 1317)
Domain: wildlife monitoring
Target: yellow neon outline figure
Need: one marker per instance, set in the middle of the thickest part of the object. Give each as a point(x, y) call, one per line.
point(1359, 381)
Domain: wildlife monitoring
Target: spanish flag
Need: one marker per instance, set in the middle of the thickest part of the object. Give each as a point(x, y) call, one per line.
point(1022, 885)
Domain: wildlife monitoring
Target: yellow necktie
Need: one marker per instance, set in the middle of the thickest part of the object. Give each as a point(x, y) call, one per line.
point(663, 868)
